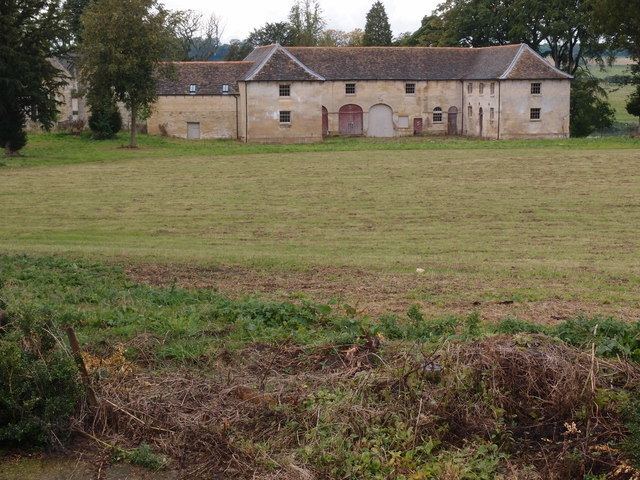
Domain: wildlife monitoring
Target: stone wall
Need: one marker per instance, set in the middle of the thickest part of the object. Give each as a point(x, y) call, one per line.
point(405, 106)
point(216, 115)
point(505, 110)
point(516, 100)
point(262, 104)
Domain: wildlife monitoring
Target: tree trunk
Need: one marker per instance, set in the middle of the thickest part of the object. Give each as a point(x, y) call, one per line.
point(134, 130)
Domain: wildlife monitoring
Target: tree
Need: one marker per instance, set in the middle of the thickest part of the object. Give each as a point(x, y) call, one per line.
point(73, 10)
point(124, 42)
point(238, 50)
point(307, 24)
point(270, 33)
point(566, 27)
point(30, 31)
point(590, 110)
point(105, 120)
point(377, 30)
point(633, 104)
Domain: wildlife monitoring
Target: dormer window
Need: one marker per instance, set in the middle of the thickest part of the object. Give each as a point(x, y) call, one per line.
point(192, 89)
point(225, 88)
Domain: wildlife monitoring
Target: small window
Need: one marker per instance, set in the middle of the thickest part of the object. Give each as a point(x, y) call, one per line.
point(74, 107)
point(437, 115)
point(350, 88)
point(535, 114)
point(410, 88)
point(536, 88)
point(469, 87)
point(285, 90)
point(470, 111)
point(193, 88)
point(225, 88)
point(492, 114)
point(481, 89)
point(403, 122)
point(285, 116)
point(492, 88)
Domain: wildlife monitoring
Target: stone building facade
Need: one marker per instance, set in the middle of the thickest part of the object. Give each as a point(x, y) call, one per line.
point(303, 94)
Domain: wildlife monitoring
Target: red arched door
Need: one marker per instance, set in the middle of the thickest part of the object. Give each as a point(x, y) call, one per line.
point(350, 120)
point(325, 122)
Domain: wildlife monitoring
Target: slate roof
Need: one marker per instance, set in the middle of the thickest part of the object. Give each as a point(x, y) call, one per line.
point(527, 66)
point(209, 77)
point(277, 63)
point(280, 64)
point(425, 63)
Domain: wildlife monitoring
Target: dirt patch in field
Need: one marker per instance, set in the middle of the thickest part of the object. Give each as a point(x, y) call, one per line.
point(371, 293)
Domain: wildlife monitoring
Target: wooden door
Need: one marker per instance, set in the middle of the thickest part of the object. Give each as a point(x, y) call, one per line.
point(417, 126)
point(480, 122)
point(325, 122)
point(452, 121)
point(350, 120)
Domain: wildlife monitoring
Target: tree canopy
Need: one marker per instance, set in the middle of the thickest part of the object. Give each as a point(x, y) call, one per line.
point(124, 42)
point(377, 30)
point(31, 32)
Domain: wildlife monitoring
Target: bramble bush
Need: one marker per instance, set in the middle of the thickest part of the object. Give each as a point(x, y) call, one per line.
point(39, 384)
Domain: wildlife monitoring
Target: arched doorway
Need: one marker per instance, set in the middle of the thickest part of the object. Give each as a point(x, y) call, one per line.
point(452, 121)
point(480, 121)
point(380, 121)
point(325, 121)
point(350, 120)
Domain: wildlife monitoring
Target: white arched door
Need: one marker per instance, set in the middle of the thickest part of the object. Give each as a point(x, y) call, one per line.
point(380, 121)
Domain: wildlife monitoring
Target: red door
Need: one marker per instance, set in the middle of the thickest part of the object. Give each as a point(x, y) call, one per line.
point(325, 122)
point(417, 126)
point(350, 120)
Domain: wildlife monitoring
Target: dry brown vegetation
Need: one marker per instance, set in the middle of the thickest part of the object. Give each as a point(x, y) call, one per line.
point(289, 412)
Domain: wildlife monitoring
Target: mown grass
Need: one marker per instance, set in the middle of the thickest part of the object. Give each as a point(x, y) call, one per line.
point(497, 222)
point(60, 148)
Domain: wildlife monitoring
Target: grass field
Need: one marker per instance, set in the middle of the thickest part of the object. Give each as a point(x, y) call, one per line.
point(494, 222)
point(618, 95)
point(251, 311)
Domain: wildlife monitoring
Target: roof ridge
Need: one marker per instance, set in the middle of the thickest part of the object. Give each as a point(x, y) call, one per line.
point(526, 48)
point(302, 65)
point(256, 68)
point(399, 47)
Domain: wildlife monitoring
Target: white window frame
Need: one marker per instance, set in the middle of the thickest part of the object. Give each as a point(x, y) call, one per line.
point(225, 88)
point(438, 116)
point(193, 88)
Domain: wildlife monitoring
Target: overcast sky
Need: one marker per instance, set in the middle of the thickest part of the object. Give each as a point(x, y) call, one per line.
point(242, 16)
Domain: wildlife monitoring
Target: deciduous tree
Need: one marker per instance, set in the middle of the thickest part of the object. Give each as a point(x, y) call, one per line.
point(124, 43)
point(306, 22)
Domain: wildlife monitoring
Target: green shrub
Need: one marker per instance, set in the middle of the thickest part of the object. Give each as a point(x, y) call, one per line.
point(39, 392)
point(105, 120)
point(611, 337)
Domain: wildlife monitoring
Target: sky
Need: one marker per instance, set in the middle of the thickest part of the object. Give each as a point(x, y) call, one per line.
point(240, 17)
